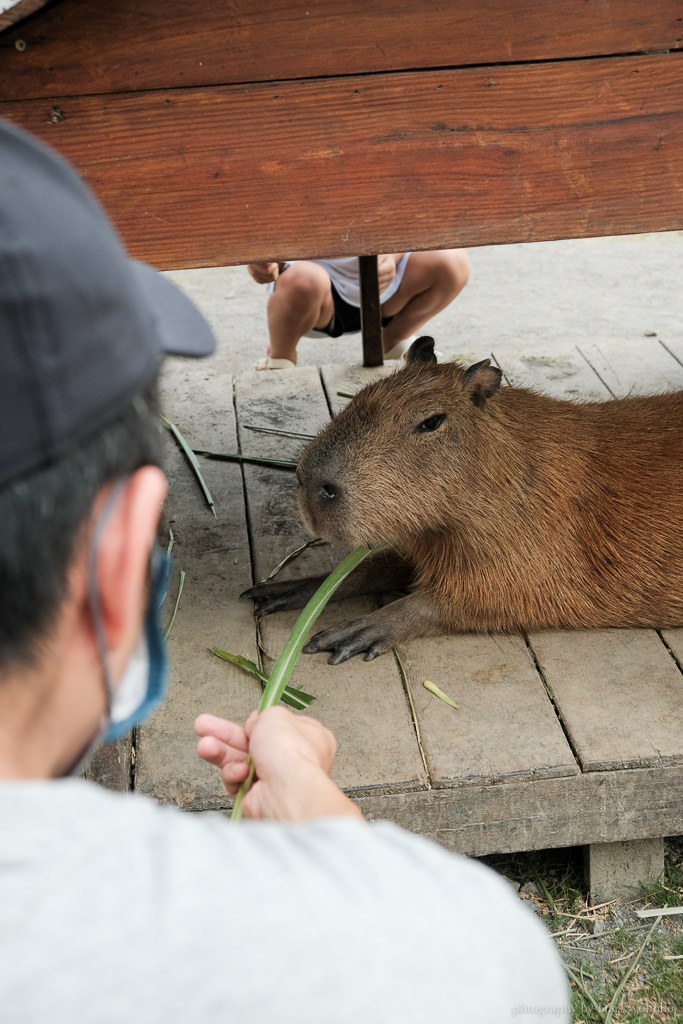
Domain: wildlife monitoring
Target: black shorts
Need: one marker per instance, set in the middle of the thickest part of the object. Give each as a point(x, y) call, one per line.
point(346, 318)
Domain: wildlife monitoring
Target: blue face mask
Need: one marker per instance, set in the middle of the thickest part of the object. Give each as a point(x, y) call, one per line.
point(143, 684)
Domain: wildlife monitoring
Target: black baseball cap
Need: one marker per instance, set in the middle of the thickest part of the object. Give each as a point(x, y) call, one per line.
point(82, 327)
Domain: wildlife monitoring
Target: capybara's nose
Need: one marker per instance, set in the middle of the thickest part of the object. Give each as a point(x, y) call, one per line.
point(329, 491)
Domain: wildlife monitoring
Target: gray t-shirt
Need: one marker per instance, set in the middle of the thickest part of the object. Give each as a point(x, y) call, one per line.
point(113, 909)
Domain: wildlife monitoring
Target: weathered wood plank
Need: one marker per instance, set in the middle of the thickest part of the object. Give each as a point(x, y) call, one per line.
point(674, 638)
point(592, 807)
point(505, 725)
point(363, 704)
point(619, 694)
point(562, 373)
point(639, 367)
point(214, 553)
point(502, 154)
point(350, 379)
point(83, 47)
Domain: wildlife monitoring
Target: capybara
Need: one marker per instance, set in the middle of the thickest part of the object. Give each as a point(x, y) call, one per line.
point(499, 509)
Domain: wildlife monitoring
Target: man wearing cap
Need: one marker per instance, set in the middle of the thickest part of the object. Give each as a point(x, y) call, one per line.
point(111, 907)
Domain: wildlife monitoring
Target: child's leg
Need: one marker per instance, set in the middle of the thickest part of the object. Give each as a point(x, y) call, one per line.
point(301, 301)
point(430, 282)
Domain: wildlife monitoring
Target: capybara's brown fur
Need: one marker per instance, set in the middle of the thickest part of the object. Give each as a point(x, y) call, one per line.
point(513, 510)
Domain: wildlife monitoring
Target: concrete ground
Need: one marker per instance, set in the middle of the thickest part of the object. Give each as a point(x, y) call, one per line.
point(595, 289)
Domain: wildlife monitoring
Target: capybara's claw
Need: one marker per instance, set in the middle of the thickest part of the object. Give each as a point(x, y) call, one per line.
point(356, 637)
point(277, 595)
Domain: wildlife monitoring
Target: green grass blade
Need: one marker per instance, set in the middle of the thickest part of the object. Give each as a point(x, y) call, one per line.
point(614, 1003)
point(190, 456)
point(297, 638)
point(297, 699)
point(236, 457)
point(245, 663)
point(433, 688)
point(282, 669)
point(280, 433)
point(175, 607)
point(345, 394)
point(585, 992)
point(236, 813)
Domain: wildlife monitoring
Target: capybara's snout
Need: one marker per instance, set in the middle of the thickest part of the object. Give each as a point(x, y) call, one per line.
point(322, 494)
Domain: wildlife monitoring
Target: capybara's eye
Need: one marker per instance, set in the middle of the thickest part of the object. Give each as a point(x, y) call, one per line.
point(433, 423)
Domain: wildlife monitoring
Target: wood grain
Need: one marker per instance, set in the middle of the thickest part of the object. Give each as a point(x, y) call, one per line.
point(387, 162)
point(215, 556)
point(363, 704)
point(81, 47)
point(595, 807)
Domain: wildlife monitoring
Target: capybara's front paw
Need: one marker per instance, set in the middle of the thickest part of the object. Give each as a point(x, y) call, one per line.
point(364, 634)
point(277, 595)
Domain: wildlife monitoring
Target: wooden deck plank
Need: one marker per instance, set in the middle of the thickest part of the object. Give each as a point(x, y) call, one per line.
point(591, 807)
point(363, 704)
point(215, 556)
point(505, 725)
point(641, 366)
point(562, 373)
point(160, 44)
point(619, 693)
point(338, 377)
point(674, 638)
point(522, 152)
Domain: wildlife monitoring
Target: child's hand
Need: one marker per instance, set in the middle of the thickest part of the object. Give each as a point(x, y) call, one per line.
point(264, 273)
point(386, 270)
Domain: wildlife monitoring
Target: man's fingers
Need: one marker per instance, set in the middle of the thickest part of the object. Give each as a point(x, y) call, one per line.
point(212, 750)
point(233, 775)
point(249, 724)
point(227, 732)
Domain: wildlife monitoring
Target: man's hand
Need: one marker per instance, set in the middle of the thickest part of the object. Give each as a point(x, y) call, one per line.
point(292, 756)
point(264, 273)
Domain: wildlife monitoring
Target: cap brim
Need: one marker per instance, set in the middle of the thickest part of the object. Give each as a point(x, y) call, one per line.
point(183, 331)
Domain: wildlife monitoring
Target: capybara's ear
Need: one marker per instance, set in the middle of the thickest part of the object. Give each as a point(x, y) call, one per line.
point(482, 380)
point(421, 351)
